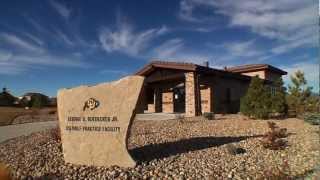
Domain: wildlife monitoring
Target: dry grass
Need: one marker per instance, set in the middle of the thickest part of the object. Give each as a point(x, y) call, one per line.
point(8, 114)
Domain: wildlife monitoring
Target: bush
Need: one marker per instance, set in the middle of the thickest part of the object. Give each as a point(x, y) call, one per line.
point(278, 98)
point(256, 103)
point(209, 115)
point(274, 138)
point(278, 173)
point(313, 119)
point(300, 97)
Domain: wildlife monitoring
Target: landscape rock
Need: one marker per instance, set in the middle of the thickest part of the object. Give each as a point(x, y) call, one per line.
point(205, 158)
point(94, 122)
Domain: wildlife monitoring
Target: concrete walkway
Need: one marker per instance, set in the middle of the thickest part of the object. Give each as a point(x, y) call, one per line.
point(158, 116)
point(12, 131)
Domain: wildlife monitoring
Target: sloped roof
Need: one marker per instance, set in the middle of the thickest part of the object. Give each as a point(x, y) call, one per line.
point(168, 65)
point(255, 67)
point(146, 70)
point(6, 98)
point(33, 94)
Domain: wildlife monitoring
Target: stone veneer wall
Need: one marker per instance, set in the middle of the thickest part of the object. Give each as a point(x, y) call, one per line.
point(205, 94)
point(167, 102)
point(151, 108)
point(192, 94)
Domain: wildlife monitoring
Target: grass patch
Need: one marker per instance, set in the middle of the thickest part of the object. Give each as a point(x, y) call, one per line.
point(8, 114)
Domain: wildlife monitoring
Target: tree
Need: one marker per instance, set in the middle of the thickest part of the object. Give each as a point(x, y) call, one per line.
point(256, 103)
point(39, 101)
point(299, 92)
point(278, 98)
point(36, 102)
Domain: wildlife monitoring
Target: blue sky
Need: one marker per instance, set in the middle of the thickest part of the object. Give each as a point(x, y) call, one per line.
point(48, 45)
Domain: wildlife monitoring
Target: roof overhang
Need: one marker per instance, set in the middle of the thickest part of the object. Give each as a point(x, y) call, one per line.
point(256, 67)
point(166, 65)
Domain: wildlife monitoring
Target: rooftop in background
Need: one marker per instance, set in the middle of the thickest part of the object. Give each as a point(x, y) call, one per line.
point(195, 67)
point(255, 67)
point(33, 94)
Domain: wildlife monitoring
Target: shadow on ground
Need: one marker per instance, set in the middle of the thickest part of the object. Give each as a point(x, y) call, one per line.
point(162, 150)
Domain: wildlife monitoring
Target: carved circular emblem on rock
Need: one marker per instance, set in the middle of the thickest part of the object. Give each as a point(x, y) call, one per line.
point(91, 104)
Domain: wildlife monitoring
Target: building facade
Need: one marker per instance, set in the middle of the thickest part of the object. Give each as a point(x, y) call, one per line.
point(173, 87)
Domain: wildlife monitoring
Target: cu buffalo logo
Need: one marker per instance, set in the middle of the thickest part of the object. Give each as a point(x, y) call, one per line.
point(91, 104)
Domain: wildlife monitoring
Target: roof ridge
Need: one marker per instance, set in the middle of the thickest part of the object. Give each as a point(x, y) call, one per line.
point(171, 62)
point(247, 65)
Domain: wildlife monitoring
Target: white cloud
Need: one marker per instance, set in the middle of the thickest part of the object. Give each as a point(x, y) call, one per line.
point(62, 36)
point(242, 49)
point(311, 72)
point(48, 60)
point(112, 71)
point(186, 11)
point(34, 38)
point(17, 42)
point(9, 68)
point(5, 55)
point(61, 9)
point(24, 62)
point(286, 21)
point(163, 30)
point(168, 49)
point(124, 39)
point(175, 50)
point(236, 52)
point(20, 55)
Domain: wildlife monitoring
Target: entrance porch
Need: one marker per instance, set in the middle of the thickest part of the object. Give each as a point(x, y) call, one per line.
point(176, 93)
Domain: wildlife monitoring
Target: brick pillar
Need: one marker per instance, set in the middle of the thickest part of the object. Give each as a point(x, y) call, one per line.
point(167, 102)
point(205, 96)
point(192, 95)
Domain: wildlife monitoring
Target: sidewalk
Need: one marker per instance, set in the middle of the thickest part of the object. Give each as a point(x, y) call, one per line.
point(12, 131)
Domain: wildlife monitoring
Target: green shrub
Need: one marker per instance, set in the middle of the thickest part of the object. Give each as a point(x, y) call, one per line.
point(313, 119)
point(39, 101)
point(263, 101)
point(300, 98)
point(256, 103)
point(278, 98)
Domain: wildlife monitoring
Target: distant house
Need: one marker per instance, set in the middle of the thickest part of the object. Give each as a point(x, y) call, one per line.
point(52, 101)
point(32, 99)
point(6, 99)
point(192, 89)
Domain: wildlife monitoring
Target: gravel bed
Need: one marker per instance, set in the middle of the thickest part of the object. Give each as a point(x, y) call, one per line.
point(176, 149)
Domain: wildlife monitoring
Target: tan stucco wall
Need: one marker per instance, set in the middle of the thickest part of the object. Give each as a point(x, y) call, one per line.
point(264, 74)
point(260, 74)
point(272, 76)
point(205, 96)
point(219, 86)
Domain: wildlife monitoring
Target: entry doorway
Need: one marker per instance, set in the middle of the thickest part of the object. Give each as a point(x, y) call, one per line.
point(179, 99)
